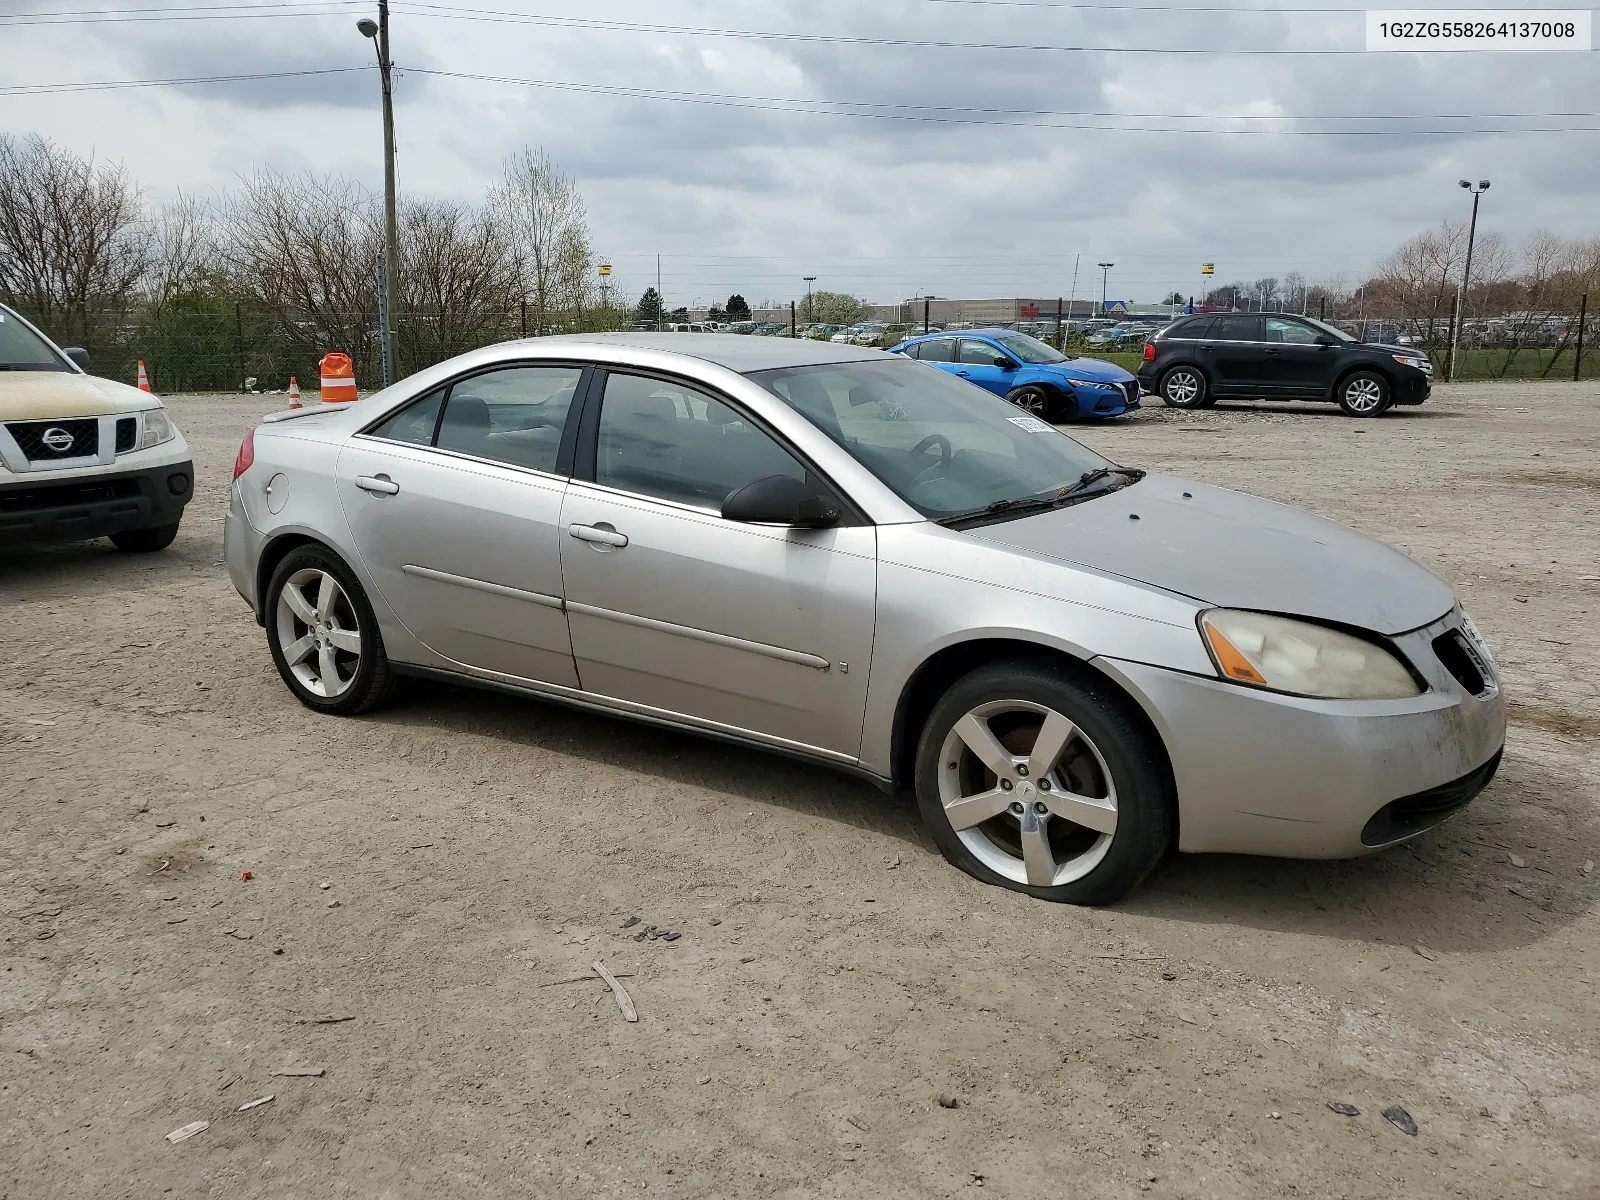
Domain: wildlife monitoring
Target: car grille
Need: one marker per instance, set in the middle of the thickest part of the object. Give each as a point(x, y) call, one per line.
point(127, 434)
point(1412, 814)
point(1130, 389)
point(78, 437)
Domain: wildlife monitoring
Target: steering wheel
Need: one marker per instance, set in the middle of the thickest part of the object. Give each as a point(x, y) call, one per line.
point(933, 439)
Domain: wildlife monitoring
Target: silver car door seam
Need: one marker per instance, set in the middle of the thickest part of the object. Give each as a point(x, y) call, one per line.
point(799, 657)
point(483, 585)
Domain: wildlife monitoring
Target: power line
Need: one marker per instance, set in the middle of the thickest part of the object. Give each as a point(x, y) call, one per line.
point(40, 89)
point(203, 12)
point(802, 106)
point(418, 9)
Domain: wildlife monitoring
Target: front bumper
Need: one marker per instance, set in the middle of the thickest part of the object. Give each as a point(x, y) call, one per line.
point(1262, 773)
point(42, 507)
point(1412, 386)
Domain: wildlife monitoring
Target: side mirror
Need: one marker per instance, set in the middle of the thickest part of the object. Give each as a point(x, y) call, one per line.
point(1323, 339)
point(780, 500)
point(1004, 363)
point(78, 355)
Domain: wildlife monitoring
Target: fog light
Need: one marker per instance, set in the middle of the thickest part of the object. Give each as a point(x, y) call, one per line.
point(177, 484)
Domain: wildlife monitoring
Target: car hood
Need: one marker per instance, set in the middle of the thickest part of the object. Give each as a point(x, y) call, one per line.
point(1228, 549)
point(1090, 368)
point(46, 395)
point(1411, 351)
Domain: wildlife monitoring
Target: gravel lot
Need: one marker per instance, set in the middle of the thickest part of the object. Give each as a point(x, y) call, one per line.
point(435, 872)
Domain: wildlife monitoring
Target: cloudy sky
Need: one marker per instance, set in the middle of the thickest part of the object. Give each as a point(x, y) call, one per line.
point(983, 168)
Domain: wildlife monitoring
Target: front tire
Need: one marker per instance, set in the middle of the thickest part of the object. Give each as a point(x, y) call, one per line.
point(324, 637)
point(145, 541)
point(1184, 387)
point(1034, 401)
point(1032, 779)
point(1365, 394)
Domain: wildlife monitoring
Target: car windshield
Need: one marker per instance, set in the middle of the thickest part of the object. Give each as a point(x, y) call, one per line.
point(1030, 349)
point(1330, 330)
point(942, 445)
point(21, 349)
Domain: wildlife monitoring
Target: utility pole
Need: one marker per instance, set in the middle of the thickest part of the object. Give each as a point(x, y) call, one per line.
point(1583, 313)
point(1466, 274)
point(661, 301)
point(379, 30)
point(1105, 274)
point(810, 279)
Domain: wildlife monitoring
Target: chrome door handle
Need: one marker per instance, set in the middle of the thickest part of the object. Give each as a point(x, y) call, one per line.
point(1274, 351)
point(592, 533)
point(379, 484)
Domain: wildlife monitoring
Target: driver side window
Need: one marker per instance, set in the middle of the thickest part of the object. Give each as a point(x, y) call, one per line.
point(980, 354)
point(1291, 333)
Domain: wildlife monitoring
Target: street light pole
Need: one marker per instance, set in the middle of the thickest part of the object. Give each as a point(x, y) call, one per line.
point(810, 279)
point(379, 31)
point(1466, 272)
point(1105, 273)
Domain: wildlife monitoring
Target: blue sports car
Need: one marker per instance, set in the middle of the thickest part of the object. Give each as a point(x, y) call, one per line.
point(1033, 375)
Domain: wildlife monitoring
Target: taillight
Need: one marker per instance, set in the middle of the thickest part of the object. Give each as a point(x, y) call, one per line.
point(246, 456)
point(1149, 352)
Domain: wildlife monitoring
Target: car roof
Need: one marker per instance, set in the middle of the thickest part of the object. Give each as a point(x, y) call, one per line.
point(987, 333)
point(731, 350)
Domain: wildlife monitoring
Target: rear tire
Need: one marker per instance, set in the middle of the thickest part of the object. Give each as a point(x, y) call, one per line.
point(145, 541)
point(324, 637)
point(1365, 394)
point(1184, 387)
point(1082, 822)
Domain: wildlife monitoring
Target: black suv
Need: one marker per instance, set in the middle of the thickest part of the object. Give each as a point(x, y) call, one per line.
point(1199, 360)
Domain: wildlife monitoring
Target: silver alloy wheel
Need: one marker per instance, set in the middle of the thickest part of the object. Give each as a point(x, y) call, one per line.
point(319, 633)
point(1363, 395)
point(1027, 792)
point(1032, 402)
point(1182, 387)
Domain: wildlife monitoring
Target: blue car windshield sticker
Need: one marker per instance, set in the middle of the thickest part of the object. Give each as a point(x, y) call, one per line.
point(1032, 424)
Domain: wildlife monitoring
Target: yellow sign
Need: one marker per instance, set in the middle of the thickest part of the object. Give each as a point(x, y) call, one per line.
point(1208, 268)
point(605, 268)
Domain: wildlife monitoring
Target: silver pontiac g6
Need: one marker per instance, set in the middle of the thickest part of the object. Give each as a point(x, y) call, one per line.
point(852, 558)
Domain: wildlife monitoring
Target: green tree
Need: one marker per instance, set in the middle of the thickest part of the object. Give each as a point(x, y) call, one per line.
point(737, 309)
point(648, 310)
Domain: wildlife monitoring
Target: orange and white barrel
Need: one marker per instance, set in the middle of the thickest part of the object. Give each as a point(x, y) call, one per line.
point(338, 378)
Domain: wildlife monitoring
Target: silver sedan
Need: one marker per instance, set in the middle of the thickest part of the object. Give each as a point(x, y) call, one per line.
point(852, 558)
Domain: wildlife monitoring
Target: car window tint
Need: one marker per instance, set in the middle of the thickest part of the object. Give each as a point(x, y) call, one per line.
point(1293, 333)
point(1195, 327)
point(514, 415)
point(938, 350)
point(977, 354)
point(415, 422)
point(675, 443)
point(1236, 328)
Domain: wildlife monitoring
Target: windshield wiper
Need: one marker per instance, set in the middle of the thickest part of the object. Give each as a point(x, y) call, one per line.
point(1084, 489)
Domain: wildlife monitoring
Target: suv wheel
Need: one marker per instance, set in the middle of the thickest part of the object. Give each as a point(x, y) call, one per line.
point(1034, 401)
point(1033, 780)
point(323, 636)
point(145, 541)
point(1183, 387)
point(1364, 394)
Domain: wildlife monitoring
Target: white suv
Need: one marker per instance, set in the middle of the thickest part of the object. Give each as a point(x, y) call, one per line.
point(82, 457)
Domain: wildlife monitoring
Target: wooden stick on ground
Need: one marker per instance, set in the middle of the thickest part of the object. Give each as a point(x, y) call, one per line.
point(624, 1001)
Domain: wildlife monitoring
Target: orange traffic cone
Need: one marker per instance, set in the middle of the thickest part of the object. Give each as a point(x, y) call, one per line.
point(144, 380)
point(338, 378)
point(294, 393)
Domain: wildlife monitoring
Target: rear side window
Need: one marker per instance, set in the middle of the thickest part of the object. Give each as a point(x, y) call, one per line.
point(415, 422)
point(938, 350)
point(1236, 328)
point(1194, 327)
point(514, 415)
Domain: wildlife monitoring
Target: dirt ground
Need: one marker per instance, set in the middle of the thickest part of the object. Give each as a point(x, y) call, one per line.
point(435, 873)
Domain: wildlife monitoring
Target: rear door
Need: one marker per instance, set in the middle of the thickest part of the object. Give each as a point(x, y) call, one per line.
point(1295, 365)
point(755, 628)
point(455, 504)
point(1235, 354)
point(980, 361)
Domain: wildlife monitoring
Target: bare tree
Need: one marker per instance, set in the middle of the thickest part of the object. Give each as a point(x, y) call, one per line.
point(183, 250)
point(545, 216)
point(72, 244)
point(459, 280)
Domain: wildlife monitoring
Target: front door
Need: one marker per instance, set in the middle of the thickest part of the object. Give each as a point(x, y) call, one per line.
point(455, 506)
point(1295, 364)
point(1235, 354)
point(755, 628)
point(986, 365)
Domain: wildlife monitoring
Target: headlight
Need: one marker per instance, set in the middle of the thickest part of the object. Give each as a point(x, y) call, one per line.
point(1093, 383)
point(1301, 658)
point(1410, 361)
point(157, 428)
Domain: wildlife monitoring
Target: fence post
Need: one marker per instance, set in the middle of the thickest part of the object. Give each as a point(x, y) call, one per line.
point(1577, 361)
point(238, 343)
point(1322, 314)
point(524, 325)
point(792, 329)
